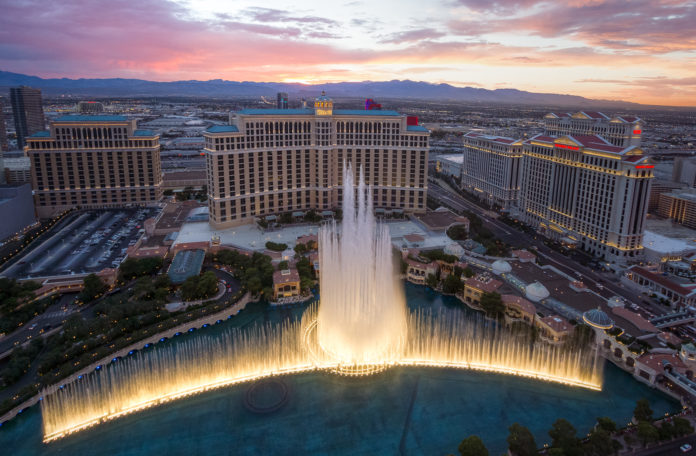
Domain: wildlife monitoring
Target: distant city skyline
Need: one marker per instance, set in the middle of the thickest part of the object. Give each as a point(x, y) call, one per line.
point(642, 51)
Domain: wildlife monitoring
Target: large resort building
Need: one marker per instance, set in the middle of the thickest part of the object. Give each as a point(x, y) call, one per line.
point(584, 182)
point(621, 131)
point(270, 161)
point(490, 168)
point(586, 192)
point(92, 162)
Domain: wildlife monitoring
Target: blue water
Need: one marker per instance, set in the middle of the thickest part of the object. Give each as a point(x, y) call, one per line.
point(409, 411)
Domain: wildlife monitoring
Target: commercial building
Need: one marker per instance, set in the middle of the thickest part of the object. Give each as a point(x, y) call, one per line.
point(450, 165)
point(658, 187)
point(621, 131)
point(586, 192)
point(90, 107)
point(94, 161)
point(16, 209)
point(17, 170)
point(684, 171)
point(27, 108)
point(282, 100)
point(679, 206)
point(490, 168)
point(270, 161)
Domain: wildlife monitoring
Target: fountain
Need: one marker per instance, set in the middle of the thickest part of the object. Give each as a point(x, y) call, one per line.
point(362, 317)
point(361, 326)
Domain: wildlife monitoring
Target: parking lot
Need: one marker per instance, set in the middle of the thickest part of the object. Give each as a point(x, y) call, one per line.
point(85, 242)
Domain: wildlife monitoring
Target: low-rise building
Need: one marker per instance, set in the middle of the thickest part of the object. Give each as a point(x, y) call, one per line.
point(286, 283)
point(16, 209)
point(450, 165)
point(679, 295)
point(518, 308)
point(417, 271)
point(475, 287)
point(554, 328)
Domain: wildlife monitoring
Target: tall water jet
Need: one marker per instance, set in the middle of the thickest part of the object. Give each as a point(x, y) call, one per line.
point(362, 314)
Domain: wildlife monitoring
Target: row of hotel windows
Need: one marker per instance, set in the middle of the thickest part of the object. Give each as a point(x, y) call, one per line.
point(322, 139)
point(85, 197)
point(92, 144)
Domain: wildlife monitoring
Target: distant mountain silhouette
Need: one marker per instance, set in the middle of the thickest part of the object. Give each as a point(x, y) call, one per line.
point(218, 88)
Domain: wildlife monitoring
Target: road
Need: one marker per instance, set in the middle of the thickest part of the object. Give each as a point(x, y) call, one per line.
point(606, 284)
point(54, 316)
point(667, 449)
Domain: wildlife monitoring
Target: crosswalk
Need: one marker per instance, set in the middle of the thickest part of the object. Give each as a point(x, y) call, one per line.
point(56, 314)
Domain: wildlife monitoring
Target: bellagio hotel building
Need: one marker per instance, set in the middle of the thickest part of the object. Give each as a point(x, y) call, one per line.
point(93, 162)
point(270, 161)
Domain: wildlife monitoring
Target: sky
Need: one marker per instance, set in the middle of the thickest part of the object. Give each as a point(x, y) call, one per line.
point(642, 51)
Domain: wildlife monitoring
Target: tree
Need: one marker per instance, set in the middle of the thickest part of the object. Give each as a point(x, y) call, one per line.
point(643, 412)
point(452, 284)
point(521, 441)
point(283, 265)
point(468, 272)
point(647, 433)
point(682, 426)
point(457, 232)
point(666, 431)
point(606, 423)
point(600, 443)
point(562, 435)
point(431, 281)
point(473, 446)
point(93, 288)
point(492, 304)
point(276, 246)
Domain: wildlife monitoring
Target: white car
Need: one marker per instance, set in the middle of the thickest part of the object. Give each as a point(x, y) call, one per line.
point(685, 448)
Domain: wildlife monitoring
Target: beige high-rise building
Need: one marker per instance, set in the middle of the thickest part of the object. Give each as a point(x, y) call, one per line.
point(92, 162)
point(584, 191)
point(270, 161)
point(490, 168)
point(622, 131)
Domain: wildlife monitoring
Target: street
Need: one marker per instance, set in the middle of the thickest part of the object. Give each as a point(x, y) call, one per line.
point(53, 317)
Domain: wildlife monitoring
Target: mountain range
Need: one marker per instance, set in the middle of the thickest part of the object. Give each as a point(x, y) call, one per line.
point(218, 88)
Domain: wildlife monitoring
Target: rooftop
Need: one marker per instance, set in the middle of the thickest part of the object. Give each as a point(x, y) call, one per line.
point(557, 323)
point(417, 128)
point(454, 158)
point(41, 134)
point(230, 128)
point(96, 118)
point(144, 133)
point(286, 276)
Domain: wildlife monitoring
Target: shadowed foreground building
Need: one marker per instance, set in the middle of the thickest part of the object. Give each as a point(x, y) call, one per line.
point(94, 161)
point(269, 161)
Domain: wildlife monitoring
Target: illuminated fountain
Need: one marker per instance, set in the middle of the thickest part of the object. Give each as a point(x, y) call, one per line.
point(360, 327)
point(362, 317)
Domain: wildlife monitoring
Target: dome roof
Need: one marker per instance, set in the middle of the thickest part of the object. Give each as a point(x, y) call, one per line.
point(535, 292)
point(598, 319)
point(501, 267)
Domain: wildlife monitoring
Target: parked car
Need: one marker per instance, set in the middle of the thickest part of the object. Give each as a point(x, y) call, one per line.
point(685, 448)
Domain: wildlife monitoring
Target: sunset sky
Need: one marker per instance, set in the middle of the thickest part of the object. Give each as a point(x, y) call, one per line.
point(642, 51)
